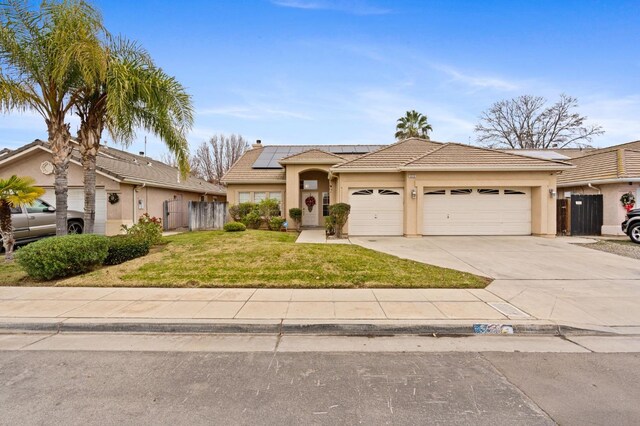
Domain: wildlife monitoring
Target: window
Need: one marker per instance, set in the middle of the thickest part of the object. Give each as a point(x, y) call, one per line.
point(364, 192)
point(308, 184)
point(484, 191)
point(513, 192)
point(244, 197)
point(38, 206)
point(325, 204)
point(435, 192)
point(259, 196)
point(277, 196)
point(387, 192)
point(461, 191)
point(16, 210)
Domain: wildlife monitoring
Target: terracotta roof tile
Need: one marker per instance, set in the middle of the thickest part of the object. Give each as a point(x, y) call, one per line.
point(391, 156)
point(312, 155)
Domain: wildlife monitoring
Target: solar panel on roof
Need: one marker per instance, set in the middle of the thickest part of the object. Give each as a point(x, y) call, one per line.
point(270, 155)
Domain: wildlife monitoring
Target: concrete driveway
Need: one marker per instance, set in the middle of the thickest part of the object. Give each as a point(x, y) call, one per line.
point(549, 279)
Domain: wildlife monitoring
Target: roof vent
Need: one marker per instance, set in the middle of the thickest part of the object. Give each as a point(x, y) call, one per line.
point(258, 144)
point(149, 163)
point(135, 160)
point(141, 153)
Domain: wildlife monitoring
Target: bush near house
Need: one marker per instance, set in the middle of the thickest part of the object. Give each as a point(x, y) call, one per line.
point(296, 215)
point(275, 224)
point(234, 227)
point(126, 247)
point(148, 228)
point(252, 215)
point(339, 213)
point(63, 256)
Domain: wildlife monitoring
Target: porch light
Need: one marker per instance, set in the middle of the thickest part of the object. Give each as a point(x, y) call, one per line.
point(414, 193)
point(552, 193)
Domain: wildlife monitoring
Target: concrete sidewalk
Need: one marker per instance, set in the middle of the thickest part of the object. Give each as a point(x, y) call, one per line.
point(344, 311)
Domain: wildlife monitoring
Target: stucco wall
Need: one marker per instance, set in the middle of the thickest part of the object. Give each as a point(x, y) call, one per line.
point(319, 172)
point(613, 214)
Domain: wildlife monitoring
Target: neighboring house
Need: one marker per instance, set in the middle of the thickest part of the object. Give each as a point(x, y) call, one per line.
point(612, 172)
point(413, 187)
point(127, 185)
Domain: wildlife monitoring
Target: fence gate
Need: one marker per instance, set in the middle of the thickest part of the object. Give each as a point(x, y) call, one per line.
point(204, 215)
point(562, 216)
point(174, 215)
point(586, 214)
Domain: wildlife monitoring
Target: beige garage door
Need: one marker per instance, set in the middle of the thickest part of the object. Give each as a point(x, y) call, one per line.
point(477, 211)
point(375, 211)
point(76, 202)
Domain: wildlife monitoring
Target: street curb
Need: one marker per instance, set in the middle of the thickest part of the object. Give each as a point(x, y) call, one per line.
point(335, 329)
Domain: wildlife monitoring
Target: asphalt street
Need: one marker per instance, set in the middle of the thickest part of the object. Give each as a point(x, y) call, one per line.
point(73, 387)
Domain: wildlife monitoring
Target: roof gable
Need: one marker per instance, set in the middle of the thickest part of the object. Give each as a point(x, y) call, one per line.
point(313, 156)
point(391, 156)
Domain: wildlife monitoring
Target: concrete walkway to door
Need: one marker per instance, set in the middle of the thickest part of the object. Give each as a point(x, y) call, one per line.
point(550, 279)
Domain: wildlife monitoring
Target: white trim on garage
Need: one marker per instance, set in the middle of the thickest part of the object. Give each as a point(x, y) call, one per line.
point(376, 211)
point(476, 211)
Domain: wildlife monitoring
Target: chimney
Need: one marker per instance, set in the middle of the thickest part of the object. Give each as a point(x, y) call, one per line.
point(258, 144)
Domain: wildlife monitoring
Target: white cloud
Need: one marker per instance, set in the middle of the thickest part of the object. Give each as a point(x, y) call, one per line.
point(354, 7)
point(477, 81)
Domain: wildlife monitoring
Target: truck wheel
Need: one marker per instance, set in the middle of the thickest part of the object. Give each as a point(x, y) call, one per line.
point(634, 233)
point(75, 227)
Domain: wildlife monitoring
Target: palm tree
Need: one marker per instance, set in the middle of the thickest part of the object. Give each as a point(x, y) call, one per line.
point(43, 54)
point(14, 192)
point(413, 125)
point(135, 93)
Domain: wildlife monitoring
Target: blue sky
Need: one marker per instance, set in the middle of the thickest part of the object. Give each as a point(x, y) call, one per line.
point(330, 71)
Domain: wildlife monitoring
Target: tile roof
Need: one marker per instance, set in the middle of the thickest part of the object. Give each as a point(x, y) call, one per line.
point(313, 155)
point(391, 156)
point(126, 167)
point(459, 156)
point(242, 171)
point(603, 164)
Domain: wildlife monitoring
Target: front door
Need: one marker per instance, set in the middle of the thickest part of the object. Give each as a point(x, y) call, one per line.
point(309, 205)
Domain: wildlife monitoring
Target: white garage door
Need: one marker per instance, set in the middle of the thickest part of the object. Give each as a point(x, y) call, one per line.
point(375, 211)
point(477, 211)
point(76, 202)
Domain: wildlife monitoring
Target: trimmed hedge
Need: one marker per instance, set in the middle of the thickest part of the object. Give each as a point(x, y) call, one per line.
point(58, 257)
point(234, 227)
point(126, 247)
point(275, 223)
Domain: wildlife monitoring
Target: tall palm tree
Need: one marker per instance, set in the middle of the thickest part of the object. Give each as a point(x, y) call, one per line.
point(413, 124)
point(135, 93)
point(14, 192)
point(43, 54)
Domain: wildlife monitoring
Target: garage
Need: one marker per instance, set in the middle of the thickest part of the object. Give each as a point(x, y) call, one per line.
point(76, 202)
point(477, 211)
point(376, 211)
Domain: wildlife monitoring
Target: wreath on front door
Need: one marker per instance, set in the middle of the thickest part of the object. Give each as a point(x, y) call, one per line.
point(114, 198)
point(310, 201)
point(628, 201)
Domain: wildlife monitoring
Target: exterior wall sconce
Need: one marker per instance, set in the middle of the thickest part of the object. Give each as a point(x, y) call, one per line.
point(414, 193)
point(552, 193)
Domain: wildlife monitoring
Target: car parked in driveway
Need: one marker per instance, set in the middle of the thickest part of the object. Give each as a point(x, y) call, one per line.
point(38, 220)
point(631, 226)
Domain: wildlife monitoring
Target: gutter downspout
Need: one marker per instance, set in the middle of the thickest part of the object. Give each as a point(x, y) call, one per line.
point(593, 187)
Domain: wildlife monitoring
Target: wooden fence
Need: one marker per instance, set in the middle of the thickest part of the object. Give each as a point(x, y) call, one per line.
point(204, 215)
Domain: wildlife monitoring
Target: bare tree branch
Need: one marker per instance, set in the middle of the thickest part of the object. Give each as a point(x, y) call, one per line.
point(525, 123)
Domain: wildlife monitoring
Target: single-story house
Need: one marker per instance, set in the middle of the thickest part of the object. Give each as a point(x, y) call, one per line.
point(413, 187)
point(611, 172)
point(127, 185)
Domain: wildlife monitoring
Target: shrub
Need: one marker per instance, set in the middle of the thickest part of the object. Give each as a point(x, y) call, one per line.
point(276, 223)
point(252, 220)
point(234, 227)
point(269, 208)
point(148, 229)
point(330, 225)
point(125, 247)
point(340, 213)
point(63, 256)
point(296, 215)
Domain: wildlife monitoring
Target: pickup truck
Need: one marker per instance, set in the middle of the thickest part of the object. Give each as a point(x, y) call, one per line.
point(38, 220)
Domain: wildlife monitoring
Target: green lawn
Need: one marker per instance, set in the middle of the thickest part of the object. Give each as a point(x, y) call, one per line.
point(263, 259)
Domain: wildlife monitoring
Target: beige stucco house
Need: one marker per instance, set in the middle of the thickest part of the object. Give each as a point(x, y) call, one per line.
point(413, 187)
point(612, 172)
point(127, 185)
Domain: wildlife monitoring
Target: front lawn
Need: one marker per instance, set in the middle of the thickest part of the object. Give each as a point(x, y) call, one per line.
point(262, 259)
